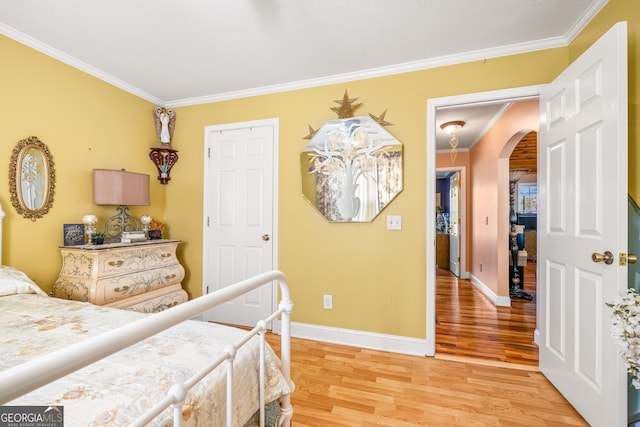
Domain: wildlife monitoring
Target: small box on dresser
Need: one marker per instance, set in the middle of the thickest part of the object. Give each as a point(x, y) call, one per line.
point(141, 276)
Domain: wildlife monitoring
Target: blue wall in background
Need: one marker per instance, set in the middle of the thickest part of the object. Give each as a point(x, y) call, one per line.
point(442, 187)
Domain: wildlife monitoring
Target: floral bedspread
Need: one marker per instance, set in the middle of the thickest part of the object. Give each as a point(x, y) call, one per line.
point(115, 390)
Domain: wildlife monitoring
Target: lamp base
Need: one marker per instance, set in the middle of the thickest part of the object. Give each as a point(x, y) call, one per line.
point(119, 223)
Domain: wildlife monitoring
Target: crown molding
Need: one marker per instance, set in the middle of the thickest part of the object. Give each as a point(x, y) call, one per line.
point(11, 33)
point(406, 67)
point(513, 49)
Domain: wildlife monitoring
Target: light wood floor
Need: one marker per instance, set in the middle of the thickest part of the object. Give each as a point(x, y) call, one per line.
point(348, 386)
point(472, 326)
point(485, 373)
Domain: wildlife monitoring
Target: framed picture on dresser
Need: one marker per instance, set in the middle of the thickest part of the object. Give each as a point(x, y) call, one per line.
point(73, 234)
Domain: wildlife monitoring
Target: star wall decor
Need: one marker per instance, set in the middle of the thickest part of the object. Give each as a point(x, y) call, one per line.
point(312, 133)
point(347, 106)
point(346, 111)
point(380, 120)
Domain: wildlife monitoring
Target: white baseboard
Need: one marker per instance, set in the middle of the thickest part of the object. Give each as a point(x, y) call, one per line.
point(495, 299)
point(355, 338)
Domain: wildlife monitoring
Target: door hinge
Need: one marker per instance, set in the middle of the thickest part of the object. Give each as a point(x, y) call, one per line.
point(209, 152)
point(207, 221)
point(207, 291)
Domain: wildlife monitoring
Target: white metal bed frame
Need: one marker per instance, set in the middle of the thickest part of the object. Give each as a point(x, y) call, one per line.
point(36, 373)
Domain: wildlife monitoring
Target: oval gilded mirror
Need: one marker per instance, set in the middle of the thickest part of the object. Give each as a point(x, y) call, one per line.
point(351, 169)
point(31, 178)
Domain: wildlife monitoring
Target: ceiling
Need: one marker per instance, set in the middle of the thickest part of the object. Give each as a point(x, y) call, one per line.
point(184, 53)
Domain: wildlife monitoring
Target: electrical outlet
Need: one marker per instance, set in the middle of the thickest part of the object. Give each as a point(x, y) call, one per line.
point(327, 302)
point(394, 222)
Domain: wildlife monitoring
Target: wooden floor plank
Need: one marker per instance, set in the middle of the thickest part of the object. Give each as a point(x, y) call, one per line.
point(470, 325)
point(484, 373)
point(349, 386)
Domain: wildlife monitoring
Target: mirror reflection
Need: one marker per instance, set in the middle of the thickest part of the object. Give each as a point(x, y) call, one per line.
point(351, 169)
point(31, 178)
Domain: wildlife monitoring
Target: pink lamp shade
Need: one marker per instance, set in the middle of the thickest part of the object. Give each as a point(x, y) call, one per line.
point(120, 188)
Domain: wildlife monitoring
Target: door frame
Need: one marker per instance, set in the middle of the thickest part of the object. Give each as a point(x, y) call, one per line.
point(275, 124)
point(478, 98)
point(462, 252)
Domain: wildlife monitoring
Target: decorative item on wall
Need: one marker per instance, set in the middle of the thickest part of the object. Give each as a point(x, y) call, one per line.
point(452, 128)
point(347, 107)
point(123, 189)
point(31, 178)
point(352, 167)
point(164, 156)
point(165, 121)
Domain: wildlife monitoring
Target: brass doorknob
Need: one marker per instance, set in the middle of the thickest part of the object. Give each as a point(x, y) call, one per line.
point(265, 237)
point(607, 257)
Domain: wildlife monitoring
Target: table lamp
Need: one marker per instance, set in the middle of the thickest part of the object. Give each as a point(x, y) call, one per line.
point(122, 189)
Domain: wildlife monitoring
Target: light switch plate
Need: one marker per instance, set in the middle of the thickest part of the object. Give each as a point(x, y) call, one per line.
point(394, 222)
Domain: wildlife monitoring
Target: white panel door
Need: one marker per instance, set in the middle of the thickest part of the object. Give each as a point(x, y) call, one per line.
point(454, 223)
point(239, 216)
point(583, 191)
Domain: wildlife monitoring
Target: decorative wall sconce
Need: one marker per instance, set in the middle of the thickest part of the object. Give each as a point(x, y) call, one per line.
point(452, 128)
point(164, 156)
point(164, 159)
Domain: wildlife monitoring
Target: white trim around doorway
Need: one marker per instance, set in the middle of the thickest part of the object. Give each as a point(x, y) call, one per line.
point(513, 94)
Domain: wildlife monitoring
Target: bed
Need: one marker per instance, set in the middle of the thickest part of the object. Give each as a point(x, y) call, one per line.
point(113, 367)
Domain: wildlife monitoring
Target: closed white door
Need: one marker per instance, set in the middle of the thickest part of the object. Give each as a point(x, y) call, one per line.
point(454, 223)
point(583, 192)
point(240, 223)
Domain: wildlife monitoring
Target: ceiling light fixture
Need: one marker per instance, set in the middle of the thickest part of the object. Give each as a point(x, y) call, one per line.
point(452, 128)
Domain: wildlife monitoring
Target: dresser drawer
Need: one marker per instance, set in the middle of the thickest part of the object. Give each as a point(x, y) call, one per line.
point(120, 261)
point(122, 275)
point(114, 288)
point(157, 302)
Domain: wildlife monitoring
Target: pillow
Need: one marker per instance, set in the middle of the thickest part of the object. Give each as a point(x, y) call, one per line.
point(13, 281)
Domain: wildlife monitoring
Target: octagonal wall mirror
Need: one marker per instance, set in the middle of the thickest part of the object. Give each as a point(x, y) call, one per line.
point(351, 169)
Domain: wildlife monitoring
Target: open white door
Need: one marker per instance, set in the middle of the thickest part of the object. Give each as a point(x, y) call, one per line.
point(240, 220)
point(583, 197)
point(454, 223)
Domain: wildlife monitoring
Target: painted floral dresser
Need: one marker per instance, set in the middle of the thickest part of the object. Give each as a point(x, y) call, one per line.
point(143, 276)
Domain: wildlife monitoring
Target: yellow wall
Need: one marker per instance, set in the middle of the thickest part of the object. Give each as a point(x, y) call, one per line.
point(377, 277)
point(86, 123)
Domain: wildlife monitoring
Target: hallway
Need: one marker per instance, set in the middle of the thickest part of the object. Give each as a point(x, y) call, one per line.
point(469, 325)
